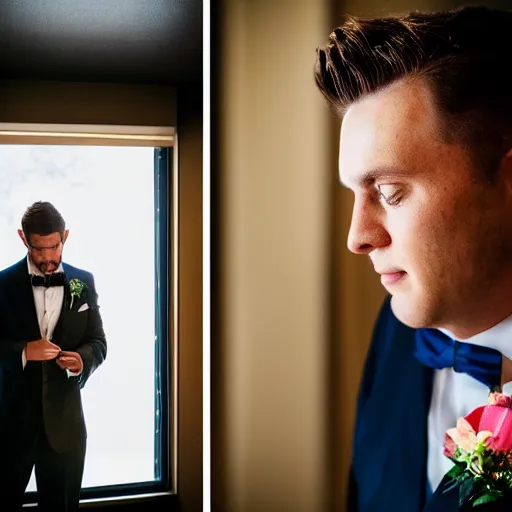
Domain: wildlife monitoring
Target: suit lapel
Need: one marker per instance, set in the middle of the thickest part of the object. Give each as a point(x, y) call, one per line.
point(23, 296)
point(443, 501)
point(391, 437)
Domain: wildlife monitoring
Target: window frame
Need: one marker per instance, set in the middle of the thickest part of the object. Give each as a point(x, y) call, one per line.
point(156, 493)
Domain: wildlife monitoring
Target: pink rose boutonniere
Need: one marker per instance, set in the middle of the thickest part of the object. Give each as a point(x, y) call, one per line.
point(481, 448)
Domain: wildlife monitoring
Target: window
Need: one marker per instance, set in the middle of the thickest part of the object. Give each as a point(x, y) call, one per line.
point(116, 203)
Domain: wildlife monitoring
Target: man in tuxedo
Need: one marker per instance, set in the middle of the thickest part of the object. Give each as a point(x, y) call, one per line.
point(51, 341)
point(426, 148)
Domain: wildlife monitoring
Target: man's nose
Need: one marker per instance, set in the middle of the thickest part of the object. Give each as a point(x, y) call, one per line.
point(367, 231)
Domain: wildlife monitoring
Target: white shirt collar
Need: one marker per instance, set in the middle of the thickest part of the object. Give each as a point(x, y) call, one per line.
point(498, 337)
point(33, 270)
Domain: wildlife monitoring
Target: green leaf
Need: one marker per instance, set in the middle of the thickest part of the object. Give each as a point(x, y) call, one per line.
point(457, 475)
point(456, 471)
point(466, 490)
point(487, 498)
point(451, 484)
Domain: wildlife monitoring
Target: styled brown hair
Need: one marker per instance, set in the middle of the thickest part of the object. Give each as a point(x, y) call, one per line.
point(462, 54)
point(42, 218)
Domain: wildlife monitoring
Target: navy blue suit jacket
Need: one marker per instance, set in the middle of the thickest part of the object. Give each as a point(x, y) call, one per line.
point(41, 394)
point(388, 468)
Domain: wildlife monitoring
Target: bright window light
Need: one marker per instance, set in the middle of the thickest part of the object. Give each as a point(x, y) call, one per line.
point(106, 196)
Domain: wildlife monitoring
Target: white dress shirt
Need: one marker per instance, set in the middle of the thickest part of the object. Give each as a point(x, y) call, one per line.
point(48, 302)
point(455, 395)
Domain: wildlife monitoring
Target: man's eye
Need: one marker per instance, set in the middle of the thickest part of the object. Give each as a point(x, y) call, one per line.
point(390, 194)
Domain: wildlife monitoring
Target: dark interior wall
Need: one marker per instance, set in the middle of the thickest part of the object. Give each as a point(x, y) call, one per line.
point(57, 102)
point(129, 41)
point(190, 289)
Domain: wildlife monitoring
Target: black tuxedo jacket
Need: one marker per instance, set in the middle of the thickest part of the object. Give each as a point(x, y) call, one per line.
point(388, 470)
point(41, 395)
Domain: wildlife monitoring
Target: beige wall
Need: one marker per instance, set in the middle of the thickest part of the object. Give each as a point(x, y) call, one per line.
point(269, 355)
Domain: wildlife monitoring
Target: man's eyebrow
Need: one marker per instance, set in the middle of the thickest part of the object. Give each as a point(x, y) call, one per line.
point(45, 247)
point(370, 177)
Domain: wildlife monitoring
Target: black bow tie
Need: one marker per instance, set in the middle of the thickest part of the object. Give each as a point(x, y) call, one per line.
point(55, 279)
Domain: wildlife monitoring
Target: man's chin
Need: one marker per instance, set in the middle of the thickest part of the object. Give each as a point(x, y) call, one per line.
point(48, 271)
point(408, 312)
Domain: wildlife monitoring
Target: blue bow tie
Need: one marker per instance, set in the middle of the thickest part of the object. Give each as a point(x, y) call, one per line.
point(437, 350)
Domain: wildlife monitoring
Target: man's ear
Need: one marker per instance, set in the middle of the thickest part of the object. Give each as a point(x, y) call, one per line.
point(66, 233)
point(22, 236)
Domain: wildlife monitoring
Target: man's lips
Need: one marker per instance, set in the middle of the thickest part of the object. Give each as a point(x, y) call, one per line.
point(391, 276)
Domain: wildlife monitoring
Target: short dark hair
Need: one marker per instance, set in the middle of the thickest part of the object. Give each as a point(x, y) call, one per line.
point(463, 55)
point(42, 218)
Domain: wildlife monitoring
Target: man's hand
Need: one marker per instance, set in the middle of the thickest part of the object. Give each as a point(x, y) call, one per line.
point(41, 350)
point(71, 361)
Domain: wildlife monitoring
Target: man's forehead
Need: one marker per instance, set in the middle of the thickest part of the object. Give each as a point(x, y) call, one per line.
point(48, 236)
point(384, 133)
point(43, 240)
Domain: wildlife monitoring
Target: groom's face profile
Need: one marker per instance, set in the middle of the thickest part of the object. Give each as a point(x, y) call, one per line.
point(45, 251)
point(433, 228)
